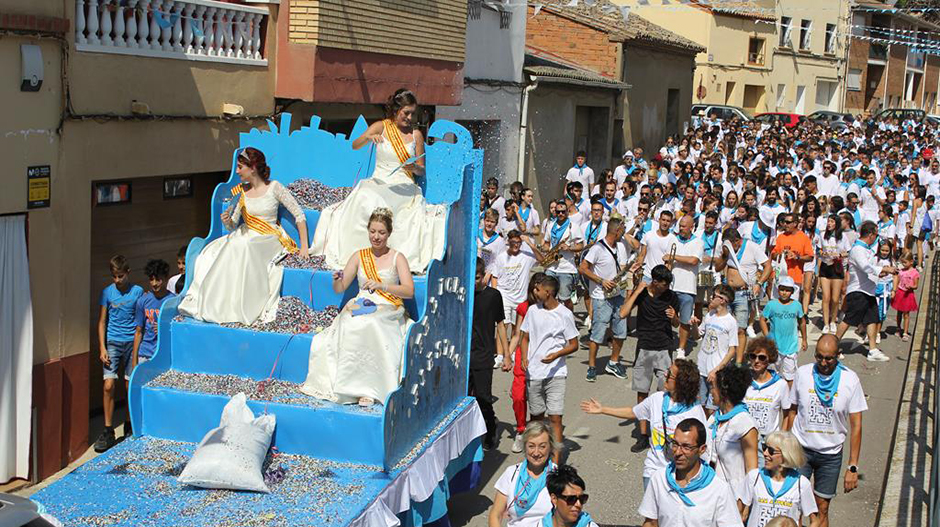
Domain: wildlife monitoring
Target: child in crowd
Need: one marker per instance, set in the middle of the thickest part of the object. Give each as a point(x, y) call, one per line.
point(904, 300)
point(779, 321)
point(178, 281)
point(489, 243)
point(116, 331)
point(719, 333)
point(518, 392)
point(487, 340)
point(511, 274)
point(548, 335)
point(147, 311)
point(885, 285)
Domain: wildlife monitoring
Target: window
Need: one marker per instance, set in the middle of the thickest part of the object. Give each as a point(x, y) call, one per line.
point(854, 80)
point(830, 38)
point(786, 27)
point(806, 30)
point(755, 51)
point(781, 95)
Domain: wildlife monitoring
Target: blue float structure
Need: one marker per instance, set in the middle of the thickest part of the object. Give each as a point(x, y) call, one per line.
point(344, 465)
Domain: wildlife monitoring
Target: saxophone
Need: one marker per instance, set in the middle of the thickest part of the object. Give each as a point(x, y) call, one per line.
point(552, 256)
point(624, 280)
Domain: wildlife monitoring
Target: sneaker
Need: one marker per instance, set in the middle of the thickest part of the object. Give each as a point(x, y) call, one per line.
point(497, 362)
point(591, 374)
point(906, 337)
point(616, 369)
point(518, 443)
point(876, 355)
point(105, 441)
point(751, 334)
point(642, 443)
point(587, 324)
point(878, 338)
point(679, 354)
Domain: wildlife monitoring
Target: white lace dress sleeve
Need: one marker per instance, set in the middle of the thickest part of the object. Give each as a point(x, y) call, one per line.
point(284, 197)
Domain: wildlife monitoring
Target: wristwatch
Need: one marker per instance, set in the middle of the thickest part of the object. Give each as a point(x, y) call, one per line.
point(853, 469)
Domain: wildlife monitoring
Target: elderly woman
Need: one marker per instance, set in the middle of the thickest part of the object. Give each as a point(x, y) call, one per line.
point(778, 489)
point(732, 432)
point(521, 496)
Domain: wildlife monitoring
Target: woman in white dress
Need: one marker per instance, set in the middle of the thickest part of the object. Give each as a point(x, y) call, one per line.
point(419, 233)
point(521, 497)
point(358, 358)
point(235, 278)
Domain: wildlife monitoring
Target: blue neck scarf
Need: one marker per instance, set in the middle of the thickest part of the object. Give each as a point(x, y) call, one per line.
point(591, 232)
point(525, 213)
point(580, 168)
point(792, 478)
point(558, 230)
point(773, 379)
point(740, 253)
point(860, 243)
point(528, 489)
point(609, 207)
point(709, 241)
point(583, 520)
point(704, 478)
point(683, 242)
point(758, 234)
point(826, 387)
point(725, 417)
point(489, 241)
point(670, 409)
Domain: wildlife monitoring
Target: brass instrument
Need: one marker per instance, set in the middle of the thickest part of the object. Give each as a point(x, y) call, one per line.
point(552, 256)
point(706, 278)
point(672, 256)
point(624, 280)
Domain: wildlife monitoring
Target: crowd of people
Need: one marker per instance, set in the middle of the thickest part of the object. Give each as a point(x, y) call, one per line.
point(714, 253)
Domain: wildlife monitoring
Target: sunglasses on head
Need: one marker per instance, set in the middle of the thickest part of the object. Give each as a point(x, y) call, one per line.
point(571, 499)
point(755, 356)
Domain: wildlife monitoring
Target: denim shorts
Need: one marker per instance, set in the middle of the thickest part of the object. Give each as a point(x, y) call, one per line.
point(741, 308)
point(120, 355)
point(546, 396)
point(825, 470)
point(705, 395)
point(686, 305)
point(606, 313)
point(566, 284)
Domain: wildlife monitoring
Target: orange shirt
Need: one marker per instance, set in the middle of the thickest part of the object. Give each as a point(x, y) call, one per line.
point(800, 244)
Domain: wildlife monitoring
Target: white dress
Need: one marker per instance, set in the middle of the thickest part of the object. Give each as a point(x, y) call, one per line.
point(417, 227)
point(360, 356)
point(235, 277)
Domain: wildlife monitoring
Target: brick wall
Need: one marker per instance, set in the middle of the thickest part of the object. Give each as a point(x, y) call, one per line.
point(572, 41)
point(931, 77)
point(897, 67)
point(858, 60)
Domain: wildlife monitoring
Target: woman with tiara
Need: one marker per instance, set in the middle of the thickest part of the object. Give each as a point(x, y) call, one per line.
point(399, 159)
point(235, 278)
point(359, 357)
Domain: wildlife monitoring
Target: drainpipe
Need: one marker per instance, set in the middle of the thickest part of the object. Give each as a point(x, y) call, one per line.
point(520, 176)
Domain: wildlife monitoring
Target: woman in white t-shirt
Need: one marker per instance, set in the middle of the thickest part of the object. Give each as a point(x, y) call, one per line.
point(832, 246)
point(778, 489)
point(732, 432)
point(521, 496)
point(766, 397)
point(664, 410)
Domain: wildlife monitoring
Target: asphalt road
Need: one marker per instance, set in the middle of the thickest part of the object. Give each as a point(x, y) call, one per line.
point(599, 446)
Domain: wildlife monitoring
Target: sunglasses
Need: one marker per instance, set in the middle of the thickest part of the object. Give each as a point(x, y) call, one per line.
point(823, 358)
point(572, 499)
point(771, 450)
point(755, 356)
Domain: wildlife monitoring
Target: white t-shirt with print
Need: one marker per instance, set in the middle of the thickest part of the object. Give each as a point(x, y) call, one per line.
point(490, 249)
point(725, 449)
point(715, 505)
point(549, 331)
point(685, 276)
point(719, 333)
point(603, 264)
point(818, 427)
point(651, 409)
point(766, 406)
point(506, 485)
point(512, 276)
point(656, 247)
point(797, 501)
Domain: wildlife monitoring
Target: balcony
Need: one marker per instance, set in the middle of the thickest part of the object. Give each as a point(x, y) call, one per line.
point(877, 54)
point(915, 60)
point(201, 30)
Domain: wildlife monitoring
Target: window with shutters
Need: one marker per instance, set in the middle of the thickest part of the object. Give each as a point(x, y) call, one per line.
point(854, 80)
point(830, 38)
point(786, 28)
point(806, 31)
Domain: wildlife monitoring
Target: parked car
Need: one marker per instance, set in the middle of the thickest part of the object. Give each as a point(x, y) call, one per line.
point(790, 120)
point(719, 111)
point(903, 114)
point(933, 119)
point(834, 120)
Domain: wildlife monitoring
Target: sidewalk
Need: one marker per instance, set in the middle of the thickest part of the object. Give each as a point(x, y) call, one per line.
point(905, 502)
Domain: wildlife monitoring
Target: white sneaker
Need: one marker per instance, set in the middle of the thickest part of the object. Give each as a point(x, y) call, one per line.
point(876, 355)
point(751, 334)
point(497, 362)
point(680, 354)
point(878, 338)
point(587, 324)
point(517, 443)
point(831, 328)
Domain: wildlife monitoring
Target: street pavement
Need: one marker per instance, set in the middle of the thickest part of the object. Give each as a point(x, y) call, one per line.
point(599, 446)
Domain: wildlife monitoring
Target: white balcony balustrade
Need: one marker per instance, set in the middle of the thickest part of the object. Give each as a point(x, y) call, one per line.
point(175, 29)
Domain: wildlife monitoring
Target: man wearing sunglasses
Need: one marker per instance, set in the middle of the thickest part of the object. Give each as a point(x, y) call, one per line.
point(566, 489)
point(826, 405)
point(686, 493)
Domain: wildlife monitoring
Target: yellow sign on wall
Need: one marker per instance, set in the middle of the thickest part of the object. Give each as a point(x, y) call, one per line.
point(40, 186)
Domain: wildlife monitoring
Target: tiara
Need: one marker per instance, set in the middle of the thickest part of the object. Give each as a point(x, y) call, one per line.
point(383, 211)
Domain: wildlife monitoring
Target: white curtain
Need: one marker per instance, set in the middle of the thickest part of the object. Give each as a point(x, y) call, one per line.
point(16, 349)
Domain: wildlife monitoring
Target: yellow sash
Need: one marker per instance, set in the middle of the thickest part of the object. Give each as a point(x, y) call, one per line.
point(372, 273)
point(260, 226)
point(398, 144)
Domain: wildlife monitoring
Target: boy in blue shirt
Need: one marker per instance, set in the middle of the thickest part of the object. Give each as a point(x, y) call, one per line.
point(147, 311)
point(785, 316)
point(116, 340)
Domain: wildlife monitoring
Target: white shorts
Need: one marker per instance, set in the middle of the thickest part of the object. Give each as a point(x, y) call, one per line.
point(786, 366)
point(509, 312)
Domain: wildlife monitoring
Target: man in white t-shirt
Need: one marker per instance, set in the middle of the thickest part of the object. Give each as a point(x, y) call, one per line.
point(655, 245)
point(686, 493)
point(548, 335)
point(489, 243)
point(580, 172)
point(491, 197)
point(826, 405)
point(689, 253)
point(528, 215)
point(755, 270)
point(511, 275)
point(827, 183)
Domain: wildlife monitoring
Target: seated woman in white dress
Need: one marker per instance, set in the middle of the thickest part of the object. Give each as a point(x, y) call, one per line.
point(235, 278)
point(359, 357)
point(419, 232)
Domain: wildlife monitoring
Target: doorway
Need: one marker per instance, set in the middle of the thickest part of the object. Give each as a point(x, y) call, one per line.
point(672, 112)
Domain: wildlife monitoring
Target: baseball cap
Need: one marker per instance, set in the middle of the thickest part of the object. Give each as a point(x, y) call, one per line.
point(787, 281)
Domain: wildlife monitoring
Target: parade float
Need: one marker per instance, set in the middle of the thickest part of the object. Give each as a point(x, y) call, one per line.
point(329, 464)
